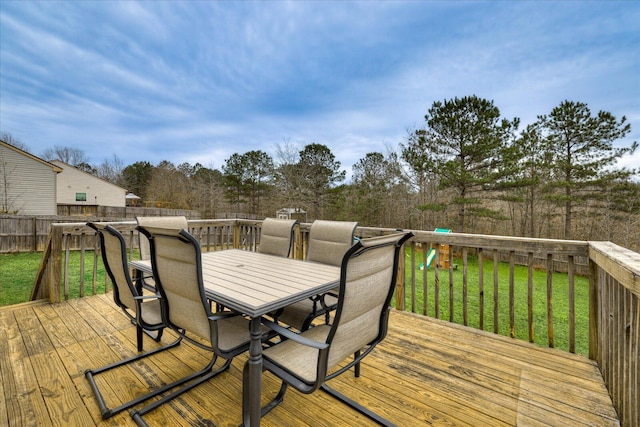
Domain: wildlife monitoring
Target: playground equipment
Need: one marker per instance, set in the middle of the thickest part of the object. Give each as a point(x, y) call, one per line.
point(443, 253)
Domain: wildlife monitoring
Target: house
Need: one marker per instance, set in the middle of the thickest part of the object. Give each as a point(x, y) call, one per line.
point(27, 183)
point(76, 187)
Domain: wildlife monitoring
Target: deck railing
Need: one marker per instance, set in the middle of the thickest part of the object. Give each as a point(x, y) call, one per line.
point(470, 279)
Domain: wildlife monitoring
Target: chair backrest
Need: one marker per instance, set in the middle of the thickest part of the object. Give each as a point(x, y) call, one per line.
point(276, 236)
point(177, 271)
point(179, 222)
point(330, 240)
point(367, 281)
point(114, 257)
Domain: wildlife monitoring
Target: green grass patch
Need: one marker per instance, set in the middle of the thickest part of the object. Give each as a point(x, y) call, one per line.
point(18, 272)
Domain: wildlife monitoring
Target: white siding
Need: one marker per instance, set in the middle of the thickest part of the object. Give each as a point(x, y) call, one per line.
point(72, 181)
point(27, 186)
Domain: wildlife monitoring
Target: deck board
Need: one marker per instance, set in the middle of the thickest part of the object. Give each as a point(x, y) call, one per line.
point(426, 372)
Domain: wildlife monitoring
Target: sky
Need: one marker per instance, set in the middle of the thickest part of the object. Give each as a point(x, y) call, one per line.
point(197, 81)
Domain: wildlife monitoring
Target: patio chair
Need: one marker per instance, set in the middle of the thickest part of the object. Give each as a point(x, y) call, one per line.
point(177, 271)
point(178, 222)
point(145, 311)
point(328, 242)
point(276, 236)
point(308, 359)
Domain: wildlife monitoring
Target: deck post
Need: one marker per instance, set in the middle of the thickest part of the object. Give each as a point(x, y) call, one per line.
point(55, 264)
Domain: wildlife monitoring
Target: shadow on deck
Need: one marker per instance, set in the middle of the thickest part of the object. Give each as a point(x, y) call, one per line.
point(426, 372)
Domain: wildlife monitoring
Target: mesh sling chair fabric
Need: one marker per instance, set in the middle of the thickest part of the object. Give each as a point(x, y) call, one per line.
point(177, 270)
point(328, 242)
point(276, 236)
point(179, 222)
point(308, 359)
point(145, 311)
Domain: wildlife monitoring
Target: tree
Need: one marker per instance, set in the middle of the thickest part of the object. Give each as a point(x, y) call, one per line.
point(419, 172)
point(11, 140)
point(111, 170)
point(71, 156)
point(233, 174)
point(257, 176)
point(209, 187)
point(136, 178)
point(465, 139)
point(374, 179)
point(525, 173)
point(318, 171)
point(583, 155)
point(169, 186)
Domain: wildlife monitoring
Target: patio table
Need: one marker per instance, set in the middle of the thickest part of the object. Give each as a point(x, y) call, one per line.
point(254, 284)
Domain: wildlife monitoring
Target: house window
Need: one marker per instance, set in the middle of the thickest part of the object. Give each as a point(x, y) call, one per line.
point(81, 197)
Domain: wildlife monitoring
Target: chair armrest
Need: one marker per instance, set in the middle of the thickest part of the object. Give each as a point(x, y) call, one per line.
point(141, 297)
point(287, 333)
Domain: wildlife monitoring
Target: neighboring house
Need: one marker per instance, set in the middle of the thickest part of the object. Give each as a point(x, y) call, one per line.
point(27, 183)
point(76, 187)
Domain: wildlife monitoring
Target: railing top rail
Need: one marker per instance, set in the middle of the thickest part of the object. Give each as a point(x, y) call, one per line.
point(621, 263)
point(507, 243)
point(503, 243)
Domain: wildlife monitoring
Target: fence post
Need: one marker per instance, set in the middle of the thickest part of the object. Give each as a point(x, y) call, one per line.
point(34, 233)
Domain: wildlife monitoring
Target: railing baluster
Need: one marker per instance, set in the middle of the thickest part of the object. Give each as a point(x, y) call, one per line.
point(481, 287)
point(436, 281)
point(550, 300)
point(530, 298)
point(496, 296)
point(413, 277)
point(572, 304)
point(451, 286)
point(67, 250)
point(94, 275)
point(512, 302)
point(465, 287)
point(81, 289)
point(425, 282)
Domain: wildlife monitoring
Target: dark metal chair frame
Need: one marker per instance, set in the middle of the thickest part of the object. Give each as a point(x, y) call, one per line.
point(306, 386)
point(153, 234)
point(138, 320)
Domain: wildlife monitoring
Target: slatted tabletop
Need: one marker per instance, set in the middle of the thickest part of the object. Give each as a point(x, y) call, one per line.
point(254, 284)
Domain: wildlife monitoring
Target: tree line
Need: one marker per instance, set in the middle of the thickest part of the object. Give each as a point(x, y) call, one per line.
point(466, 168)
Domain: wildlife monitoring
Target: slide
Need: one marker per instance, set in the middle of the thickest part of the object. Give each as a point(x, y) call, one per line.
point(430, 257)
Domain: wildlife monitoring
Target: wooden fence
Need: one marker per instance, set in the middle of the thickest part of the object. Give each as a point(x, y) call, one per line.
point(476, 273)
point(23, 233)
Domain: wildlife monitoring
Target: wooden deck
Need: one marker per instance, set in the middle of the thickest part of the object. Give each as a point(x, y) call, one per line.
point(427, 372)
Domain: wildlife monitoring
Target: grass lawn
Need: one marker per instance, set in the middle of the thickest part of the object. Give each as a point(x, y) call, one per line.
point(560, 301)
point(17, 274)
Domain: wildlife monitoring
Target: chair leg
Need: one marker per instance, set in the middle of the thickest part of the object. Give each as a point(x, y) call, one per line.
point(199, 377)
point(358, 407)
point(139, 337)
point(109, 412)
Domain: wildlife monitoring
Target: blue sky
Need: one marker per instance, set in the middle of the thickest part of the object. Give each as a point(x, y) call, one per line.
point(196, 81)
